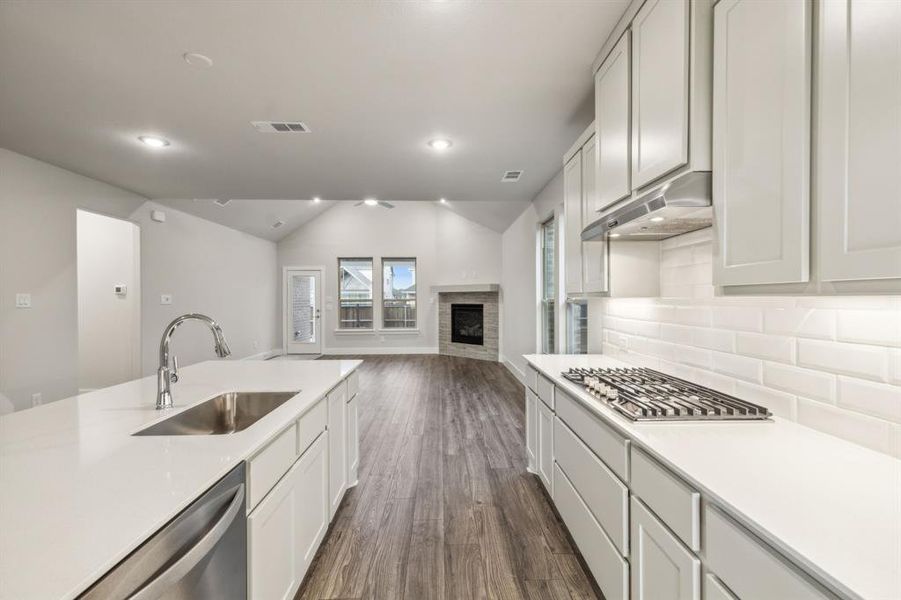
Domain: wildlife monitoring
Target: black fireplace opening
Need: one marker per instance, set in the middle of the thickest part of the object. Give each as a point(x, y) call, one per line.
point(468, 324)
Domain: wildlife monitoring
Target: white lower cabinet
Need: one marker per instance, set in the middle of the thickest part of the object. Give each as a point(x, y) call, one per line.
point(546, 447)
point(286, 528)
point(337, 428)
point(714, 589)
point(610, 570)
point(353, 441)
point(662, 567)
point(531, 430)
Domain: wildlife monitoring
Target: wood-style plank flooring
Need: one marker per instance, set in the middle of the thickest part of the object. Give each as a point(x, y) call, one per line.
point(444, 507)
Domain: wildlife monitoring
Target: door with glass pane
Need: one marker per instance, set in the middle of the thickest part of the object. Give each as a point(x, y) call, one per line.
point(303, 297)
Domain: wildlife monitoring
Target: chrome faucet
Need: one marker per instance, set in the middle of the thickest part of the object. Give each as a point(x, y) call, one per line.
point(167, 376)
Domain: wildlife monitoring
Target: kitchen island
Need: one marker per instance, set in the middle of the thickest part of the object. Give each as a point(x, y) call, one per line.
point(79, 492)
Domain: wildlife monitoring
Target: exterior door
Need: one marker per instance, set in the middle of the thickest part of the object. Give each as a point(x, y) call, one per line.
point(303, 299)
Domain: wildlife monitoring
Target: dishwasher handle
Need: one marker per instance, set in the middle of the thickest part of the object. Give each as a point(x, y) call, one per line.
point(190, 559)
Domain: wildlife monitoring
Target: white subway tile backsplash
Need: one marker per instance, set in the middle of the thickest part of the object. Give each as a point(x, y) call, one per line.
point(895, 367)
point(780, 404)
point(877, 399)
point(742, 318)
point(742, 367)
point(697, 357)
point(801, 322)
point(861, 429)
point(804, 382)
point(680, 334)
point(850, 359)
point(714, 339)
point(881, 327)
point(692, 315)
point(770, 347)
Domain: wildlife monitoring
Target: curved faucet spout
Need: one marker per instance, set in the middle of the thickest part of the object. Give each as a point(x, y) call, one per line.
point(165, 376)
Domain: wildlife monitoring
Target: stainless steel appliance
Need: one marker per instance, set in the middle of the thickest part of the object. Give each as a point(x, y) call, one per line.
point(676, 207)
point(642, 394)
point(201, 553)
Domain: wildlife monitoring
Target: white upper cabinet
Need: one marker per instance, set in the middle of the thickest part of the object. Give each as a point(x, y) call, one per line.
point(594, 254)
point(858, 160)
point(660, 88)
point(572, 218)
point(611, 120)
point(761, 141)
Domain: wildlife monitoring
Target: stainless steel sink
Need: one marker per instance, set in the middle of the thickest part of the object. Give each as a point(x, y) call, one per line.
point(226, 413)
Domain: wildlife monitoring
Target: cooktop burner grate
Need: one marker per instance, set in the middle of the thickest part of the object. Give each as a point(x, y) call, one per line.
point(643, 394)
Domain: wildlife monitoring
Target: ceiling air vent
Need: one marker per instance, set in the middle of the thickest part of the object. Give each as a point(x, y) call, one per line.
point(280, 127)
point(277, 224)
point(222, 203)
point(511, 176)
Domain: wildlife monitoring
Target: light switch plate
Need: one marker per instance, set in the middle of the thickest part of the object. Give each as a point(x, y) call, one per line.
point(166, 299)
point(23, 300)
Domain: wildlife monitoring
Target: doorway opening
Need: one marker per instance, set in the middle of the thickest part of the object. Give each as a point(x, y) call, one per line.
point(302, 294)
point(108, 260)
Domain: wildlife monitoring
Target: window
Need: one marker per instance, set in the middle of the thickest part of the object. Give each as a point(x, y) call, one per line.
point(548, 286)
point(577, 325)
point(354, 293)
point(399, 293)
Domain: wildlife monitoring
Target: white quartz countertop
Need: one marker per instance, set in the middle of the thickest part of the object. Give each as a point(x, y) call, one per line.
point(831, 506)
point(78, 492)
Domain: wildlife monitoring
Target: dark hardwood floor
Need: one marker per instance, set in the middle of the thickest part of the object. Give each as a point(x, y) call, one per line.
point(444, 507)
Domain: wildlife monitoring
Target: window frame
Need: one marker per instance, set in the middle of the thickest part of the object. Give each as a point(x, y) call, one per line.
point(574, 329)
point(415, 300)
point(340, 325)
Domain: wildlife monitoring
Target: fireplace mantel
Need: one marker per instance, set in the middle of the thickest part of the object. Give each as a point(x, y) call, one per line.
point(464, 288)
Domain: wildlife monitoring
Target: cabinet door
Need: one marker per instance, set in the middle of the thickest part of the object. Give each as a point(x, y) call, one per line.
point(572, 216)
point(353, 441)
point(594, 254)
point(285, 530)
point(858, 190)
point(611, 122)
point(531, 430)
point(660, 81)
point(662, 568)
point(546, 447)
point(337, 452)
point(761, 141)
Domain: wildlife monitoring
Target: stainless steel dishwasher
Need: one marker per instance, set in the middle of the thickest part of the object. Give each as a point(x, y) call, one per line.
point(201, 553)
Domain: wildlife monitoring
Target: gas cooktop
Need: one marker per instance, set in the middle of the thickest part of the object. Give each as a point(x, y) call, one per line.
point(643, 394)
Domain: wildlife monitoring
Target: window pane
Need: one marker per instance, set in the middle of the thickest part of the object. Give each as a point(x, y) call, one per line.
point(303, 320)
point(399, 293)
point(578, 328)
point(355, 293)
point(548, 287)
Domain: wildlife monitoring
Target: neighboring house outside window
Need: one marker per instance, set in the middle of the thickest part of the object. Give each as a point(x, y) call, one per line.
point(399, 293)
point(577, 337)
point(355, 293)
point(548, 286)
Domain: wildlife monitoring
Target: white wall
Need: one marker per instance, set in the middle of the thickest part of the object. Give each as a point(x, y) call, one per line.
point(109, 324)
point(205, 266)
point(448, 248)
point(829, 362)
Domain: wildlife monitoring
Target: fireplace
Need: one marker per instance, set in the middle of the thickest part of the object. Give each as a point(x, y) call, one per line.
point(468, 324)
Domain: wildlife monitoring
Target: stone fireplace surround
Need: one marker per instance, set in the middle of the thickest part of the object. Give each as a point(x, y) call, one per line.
point(485, 294)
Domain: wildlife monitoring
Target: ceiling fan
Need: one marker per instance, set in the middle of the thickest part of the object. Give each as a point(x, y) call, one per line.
point(374, 202)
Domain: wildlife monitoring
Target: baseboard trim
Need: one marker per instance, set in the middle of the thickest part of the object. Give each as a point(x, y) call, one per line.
point(380, 350)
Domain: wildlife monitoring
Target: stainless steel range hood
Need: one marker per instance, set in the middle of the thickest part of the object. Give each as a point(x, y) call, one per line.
point(680, 206)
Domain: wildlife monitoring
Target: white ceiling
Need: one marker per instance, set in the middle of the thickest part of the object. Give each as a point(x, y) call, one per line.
point(508, 81)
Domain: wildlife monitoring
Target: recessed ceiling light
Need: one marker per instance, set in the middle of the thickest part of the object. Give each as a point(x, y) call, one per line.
point(443, 200)
point(440, 144)
point(656, 219)
point(317, 199)
point(614, 235)
point(198, 60)
point(153, 141)
point(371, 202)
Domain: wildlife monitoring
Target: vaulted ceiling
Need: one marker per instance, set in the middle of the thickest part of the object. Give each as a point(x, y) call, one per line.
point(508, 82)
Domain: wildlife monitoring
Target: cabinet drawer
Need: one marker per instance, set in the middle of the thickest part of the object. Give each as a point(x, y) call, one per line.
point(311, 425)
point(715, 590)
point(662, 567)
point(611, 447)
point(269, 464)
point(748, 567)
point(603, 493)
point(531, 378)
point(545, 391)
point(610, 571)
point(677, 504)
point(353, 385)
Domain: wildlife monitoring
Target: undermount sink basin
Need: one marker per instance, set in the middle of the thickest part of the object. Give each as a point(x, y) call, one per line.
point(226, 413)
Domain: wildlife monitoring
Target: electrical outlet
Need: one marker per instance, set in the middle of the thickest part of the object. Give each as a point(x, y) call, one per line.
point(37, 399)
point(23, 300)
point(166, 299)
